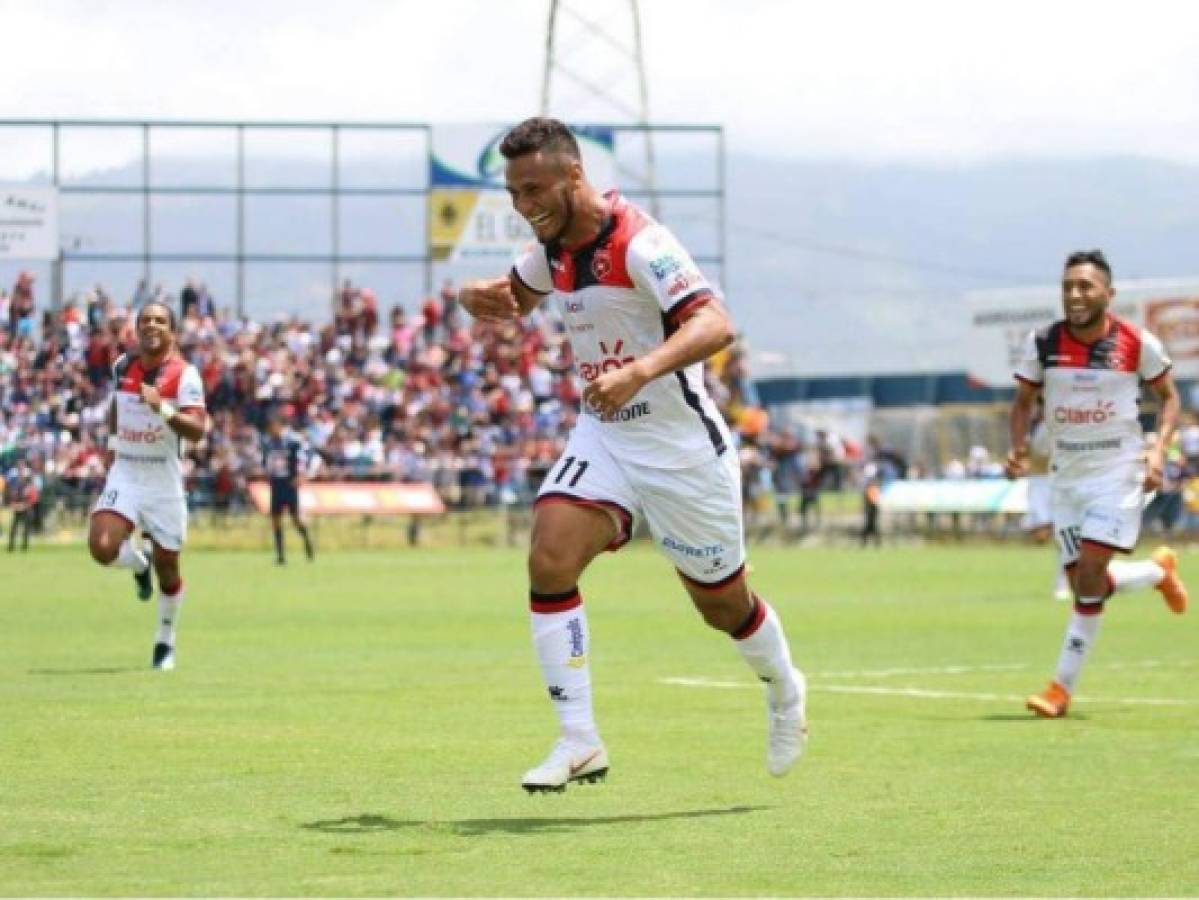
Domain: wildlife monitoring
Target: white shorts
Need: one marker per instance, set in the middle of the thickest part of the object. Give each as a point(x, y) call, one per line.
point(1040, 510)
point(693, 514)
point(1103, 510)
point(163, 518)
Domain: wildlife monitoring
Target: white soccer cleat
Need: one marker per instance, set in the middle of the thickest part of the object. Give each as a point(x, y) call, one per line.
point(788, 730)
point(568, 761)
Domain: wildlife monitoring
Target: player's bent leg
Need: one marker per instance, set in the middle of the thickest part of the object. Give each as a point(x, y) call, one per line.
point(107, 530)
point(110, 541)
point(302, 528)
point(760, 639)
point(1092, 588)
point(566, 537)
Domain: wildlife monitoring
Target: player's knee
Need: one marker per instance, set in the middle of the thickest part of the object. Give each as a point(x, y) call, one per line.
point(551, 565)
point(169, 577)
point(103, 548)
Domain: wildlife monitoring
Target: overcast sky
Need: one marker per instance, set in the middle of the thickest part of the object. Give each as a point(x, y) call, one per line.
point(942, 82)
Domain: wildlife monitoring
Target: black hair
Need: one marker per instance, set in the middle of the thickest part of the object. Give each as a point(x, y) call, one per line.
point(170, 312)
point(1092, 257)
point(539, 133)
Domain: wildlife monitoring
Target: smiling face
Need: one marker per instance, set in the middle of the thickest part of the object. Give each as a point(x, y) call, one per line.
point(154, 333)
point(1086, 295)
point(544, 188)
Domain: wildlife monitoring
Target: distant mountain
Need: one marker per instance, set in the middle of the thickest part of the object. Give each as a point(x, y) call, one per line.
point(870, 262)
point(831, 268)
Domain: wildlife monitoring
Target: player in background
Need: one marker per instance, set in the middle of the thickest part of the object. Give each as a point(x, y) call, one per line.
point(649, 443)
point(284, 457)
point(1038, 522)
point(157, 402)
point(1090, 366)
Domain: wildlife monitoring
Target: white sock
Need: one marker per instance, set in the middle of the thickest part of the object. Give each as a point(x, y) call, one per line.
point(1128, 576)
point(764, 646)
point(1062, 585)
point(1080, 638)
point(562, 641)
point(129, 557)
point(168, 615)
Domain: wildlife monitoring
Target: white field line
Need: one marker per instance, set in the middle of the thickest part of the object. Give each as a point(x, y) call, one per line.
point(991, 667)
point(919, 693)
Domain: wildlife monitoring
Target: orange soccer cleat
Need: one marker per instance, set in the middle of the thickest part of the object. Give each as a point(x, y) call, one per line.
point(1174, 592)
point(1052, 703)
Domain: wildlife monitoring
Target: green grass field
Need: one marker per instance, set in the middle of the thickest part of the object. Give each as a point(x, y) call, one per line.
point(359, 727)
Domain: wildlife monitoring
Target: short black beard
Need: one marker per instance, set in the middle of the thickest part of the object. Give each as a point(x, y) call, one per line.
point(568, 217)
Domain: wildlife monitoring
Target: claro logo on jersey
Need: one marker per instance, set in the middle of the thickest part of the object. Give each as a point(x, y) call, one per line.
point(142, 436)
point(611, 360)
point(1101, 412)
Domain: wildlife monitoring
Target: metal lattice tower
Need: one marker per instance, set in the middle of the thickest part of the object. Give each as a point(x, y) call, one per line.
point(595, 74)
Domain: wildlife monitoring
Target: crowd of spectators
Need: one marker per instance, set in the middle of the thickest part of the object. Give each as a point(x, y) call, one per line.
point(479, 410)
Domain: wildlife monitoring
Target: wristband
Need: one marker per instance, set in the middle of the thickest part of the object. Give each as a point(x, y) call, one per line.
point(167, 411)
point(112, 442)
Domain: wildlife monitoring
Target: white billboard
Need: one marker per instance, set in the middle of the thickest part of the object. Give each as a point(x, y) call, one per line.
point(999, 323)
point(28, 223)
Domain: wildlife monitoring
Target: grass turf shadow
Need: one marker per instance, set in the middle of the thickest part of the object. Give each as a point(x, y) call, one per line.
point(368, 823)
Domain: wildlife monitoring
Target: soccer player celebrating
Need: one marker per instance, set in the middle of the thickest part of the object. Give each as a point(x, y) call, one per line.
point(283, 455)
point(1090, 367)
point(650, 444)
point(157, 402)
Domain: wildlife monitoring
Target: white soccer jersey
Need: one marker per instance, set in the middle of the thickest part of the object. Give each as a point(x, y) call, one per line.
point(621, 296)
point(148, 452)
point(1091, 394)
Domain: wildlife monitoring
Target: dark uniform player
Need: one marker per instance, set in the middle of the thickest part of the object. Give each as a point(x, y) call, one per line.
point(283, 455)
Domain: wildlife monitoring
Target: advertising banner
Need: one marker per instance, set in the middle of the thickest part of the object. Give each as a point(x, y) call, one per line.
point(999, 323)
point(990, 495)
point(28, 223)
point(335, 498)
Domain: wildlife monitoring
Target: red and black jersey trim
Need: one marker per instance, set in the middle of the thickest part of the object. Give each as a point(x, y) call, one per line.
point(555, 603)
point(757, 615)
point(602, 261)
point(625, 517)
point(694, 300)
point(713, 585)
point(1119, 349)
point(528, 287)
point(130, 374)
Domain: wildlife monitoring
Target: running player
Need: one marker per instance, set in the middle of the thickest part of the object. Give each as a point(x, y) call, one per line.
point(283, 458)
point(649, 446)
point(158, 400)
point(1090, 367)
